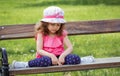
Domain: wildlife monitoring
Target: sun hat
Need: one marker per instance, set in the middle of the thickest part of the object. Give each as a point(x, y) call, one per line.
point(53, 14)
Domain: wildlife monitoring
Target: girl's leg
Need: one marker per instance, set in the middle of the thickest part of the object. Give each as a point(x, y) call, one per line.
point(72, 59)
point(40, 62)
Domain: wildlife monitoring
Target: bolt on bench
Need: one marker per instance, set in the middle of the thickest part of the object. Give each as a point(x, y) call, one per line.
point(74, 28)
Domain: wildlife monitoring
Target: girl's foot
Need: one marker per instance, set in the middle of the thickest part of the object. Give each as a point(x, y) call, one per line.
point(17, 64)
point(87, 59)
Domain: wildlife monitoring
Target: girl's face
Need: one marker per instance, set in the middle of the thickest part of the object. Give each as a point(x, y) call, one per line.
point(53, 27)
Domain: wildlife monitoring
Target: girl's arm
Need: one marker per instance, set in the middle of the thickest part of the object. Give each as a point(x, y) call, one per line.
point(40, 46)
point(67, 51)
point(69, 46)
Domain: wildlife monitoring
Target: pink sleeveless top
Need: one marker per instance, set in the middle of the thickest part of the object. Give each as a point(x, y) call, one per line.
point(53, 44)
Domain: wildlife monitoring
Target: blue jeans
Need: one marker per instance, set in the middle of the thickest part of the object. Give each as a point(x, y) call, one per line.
point(45, 61)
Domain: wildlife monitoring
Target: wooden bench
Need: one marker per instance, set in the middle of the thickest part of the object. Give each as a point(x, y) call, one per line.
point(74, 28)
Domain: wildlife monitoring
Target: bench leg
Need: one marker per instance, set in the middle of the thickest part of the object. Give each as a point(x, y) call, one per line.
point(0, 61)
point(4, 63)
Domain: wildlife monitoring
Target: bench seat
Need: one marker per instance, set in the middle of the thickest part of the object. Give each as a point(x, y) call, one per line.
point(99, 63)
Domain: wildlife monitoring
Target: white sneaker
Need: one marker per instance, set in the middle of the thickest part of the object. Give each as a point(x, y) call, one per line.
point(17, 64)
point(87, 59)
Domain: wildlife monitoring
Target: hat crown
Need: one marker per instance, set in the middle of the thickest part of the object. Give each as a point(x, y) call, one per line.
point(53, 12)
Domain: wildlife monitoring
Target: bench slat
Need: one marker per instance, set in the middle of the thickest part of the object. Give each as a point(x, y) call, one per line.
point(99, 63)
point(73, 28)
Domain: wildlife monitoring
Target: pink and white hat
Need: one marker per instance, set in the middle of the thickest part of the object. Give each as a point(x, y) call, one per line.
point(53, 14)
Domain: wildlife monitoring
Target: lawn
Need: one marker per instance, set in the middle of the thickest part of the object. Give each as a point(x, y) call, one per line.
point(30, 11)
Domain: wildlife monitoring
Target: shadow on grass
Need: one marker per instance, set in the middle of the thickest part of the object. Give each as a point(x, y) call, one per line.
point(72, 2)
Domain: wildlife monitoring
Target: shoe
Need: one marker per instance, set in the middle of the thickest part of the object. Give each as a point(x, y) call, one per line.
point(87, 59)
point(17, 64)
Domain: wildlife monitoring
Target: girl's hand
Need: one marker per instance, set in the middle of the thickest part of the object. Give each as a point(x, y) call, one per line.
point(59, 63)
point(61, 59)
point(54, 59)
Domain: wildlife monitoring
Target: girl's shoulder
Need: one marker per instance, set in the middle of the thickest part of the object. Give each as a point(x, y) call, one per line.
point(38, 33)
point(65, 33)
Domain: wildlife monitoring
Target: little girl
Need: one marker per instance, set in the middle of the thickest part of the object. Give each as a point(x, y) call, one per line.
point(50, 40)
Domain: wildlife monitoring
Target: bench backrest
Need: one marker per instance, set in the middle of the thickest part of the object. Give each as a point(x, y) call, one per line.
point(73, 28)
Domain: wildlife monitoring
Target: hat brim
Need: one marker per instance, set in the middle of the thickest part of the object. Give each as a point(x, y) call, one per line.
point(53, 20)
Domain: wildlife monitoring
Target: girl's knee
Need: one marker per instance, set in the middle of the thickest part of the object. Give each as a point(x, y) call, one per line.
point(41, 62)
point(72, 59)
point(46, 61)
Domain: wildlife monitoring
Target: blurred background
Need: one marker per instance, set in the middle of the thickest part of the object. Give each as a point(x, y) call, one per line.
point(31, 11)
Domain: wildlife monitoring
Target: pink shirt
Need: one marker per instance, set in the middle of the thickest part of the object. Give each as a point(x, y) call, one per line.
point(53, 44)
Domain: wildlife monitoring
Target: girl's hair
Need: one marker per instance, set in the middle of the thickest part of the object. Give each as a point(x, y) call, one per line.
point(43, 27)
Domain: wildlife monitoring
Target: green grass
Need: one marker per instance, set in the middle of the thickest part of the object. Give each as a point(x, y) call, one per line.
point(30, 11)
point(25, 11)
